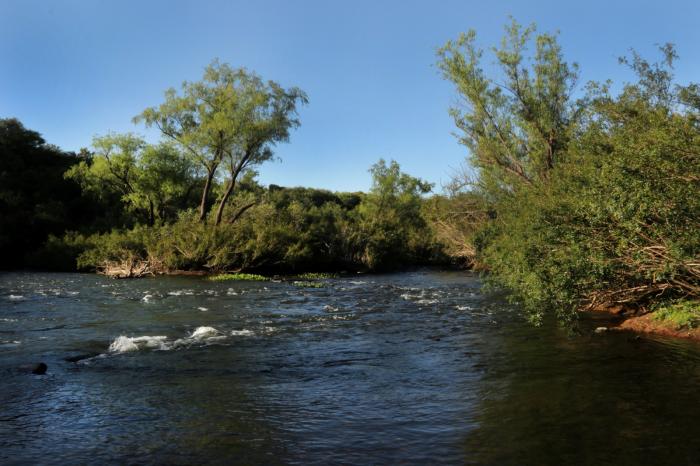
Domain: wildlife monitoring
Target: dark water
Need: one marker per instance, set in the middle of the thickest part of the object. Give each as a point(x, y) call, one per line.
point(417, 368)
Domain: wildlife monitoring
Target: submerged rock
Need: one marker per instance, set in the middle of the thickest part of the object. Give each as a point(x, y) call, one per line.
point(80, 357)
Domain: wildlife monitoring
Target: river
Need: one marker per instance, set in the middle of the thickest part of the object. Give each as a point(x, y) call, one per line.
point(410, 368)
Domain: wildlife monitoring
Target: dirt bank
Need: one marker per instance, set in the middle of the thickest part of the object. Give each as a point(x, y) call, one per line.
point(647, 324)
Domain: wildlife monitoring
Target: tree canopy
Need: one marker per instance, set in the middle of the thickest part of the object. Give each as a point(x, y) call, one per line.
point(230, 117)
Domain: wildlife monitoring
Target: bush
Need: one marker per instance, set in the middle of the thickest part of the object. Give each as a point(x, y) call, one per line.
point(683, 314)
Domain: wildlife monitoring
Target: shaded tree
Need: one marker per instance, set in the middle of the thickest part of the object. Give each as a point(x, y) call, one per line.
point(35, 199)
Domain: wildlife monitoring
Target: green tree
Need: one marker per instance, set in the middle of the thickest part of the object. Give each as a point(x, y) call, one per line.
point(151, 181)
point(231, 116)
point(35, 199)
point(516, 125)
point(391, 221)
point(617, 224)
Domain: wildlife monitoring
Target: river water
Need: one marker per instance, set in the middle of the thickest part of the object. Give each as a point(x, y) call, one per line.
point(411, 368)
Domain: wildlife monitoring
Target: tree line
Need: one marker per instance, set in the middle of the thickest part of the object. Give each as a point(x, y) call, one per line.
point(575, 196)
point(192, 200)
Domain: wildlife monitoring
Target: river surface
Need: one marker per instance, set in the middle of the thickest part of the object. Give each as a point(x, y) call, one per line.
point(412, 368)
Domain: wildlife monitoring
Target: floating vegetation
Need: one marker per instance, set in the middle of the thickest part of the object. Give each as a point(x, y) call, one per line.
point(308, 284)
point(316, 276)
point(249, 277)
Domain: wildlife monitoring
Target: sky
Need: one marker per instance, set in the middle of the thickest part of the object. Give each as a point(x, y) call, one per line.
point(72, 70)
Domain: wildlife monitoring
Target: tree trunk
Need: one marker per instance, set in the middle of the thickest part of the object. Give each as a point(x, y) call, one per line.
point(151, 213)
point(222, 204)
point(205, 195)
point(241, 211)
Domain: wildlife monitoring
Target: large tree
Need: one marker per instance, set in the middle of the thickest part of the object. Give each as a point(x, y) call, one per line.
point(230, 117)
point(517, 123)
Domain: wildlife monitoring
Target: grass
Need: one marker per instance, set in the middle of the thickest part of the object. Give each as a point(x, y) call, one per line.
point(250, 277)
point(682, 314)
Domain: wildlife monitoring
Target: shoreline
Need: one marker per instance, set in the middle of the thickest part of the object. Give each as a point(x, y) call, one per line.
point(646, 324)
point(641, 324)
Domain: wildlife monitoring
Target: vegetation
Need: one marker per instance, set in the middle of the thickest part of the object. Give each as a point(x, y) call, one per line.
point(230, 118)
point(592, 202)
point(315, 276)
point(308, 284)
point(682, 315)
point(574, 197)
point(192, 202)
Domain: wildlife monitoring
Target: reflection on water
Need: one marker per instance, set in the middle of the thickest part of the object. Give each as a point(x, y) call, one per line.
point(415, 368)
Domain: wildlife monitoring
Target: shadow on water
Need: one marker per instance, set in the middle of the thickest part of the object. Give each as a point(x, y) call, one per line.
point(549, 398)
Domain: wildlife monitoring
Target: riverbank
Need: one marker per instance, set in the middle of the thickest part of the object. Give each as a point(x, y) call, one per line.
point(679, 320)
point(649, 323)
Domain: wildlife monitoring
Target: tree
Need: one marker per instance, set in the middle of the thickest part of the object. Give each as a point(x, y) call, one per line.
point(35, 199)
point(150, 180)
point(231, 116)
point(390, 216)
point(517, 126)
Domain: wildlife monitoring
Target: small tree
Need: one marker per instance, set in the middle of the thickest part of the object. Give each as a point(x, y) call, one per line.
point(231, 116)
point(391, 217)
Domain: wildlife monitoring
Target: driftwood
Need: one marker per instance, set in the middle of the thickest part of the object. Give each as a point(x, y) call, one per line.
point(128, 268)
point(652, 260)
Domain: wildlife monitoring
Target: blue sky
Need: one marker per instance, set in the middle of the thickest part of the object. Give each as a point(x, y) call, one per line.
point(74, 69)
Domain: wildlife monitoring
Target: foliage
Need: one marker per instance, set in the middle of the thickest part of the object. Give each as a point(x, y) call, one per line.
point(516, 125)
point(230, 117)
point(315, 276)
point(614, 220)
point(60, 253)
point(35, 200)
point(683, 314)
point(151, 182)
point(308, 284)
point(286, 230)
point(454, 221)
point(144, 206)
point(392, 230)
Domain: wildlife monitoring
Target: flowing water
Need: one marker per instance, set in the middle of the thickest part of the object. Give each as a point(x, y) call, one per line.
point(412, 368)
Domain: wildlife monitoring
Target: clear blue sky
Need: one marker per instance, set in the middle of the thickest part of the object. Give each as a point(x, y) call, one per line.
point(74, 69)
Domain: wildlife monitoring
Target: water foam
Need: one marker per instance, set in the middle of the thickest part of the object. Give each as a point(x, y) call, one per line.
point(15, 297)
point(242, 333)
point(124, 344)
point(202, 333)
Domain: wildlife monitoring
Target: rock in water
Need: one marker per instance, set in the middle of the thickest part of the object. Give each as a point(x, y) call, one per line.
point(601, 329)
point(80, 357)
